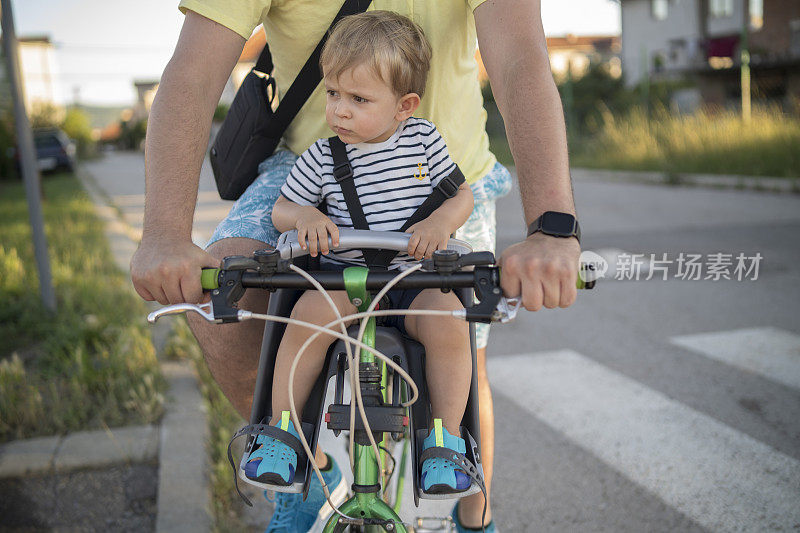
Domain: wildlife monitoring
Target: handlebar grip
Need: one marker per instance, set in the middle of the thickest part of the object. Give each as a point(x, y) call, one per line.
point(209, 279)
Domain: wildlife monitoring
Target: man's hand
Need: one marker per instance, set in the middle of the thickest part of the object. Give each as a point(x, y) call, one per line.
point(543, 270)
point(428, 235)
point(311, 223)
point(168, 270)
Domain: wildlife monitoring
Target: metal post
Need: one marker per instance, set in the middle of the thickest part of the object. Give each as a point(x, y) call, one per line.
point(569, 102)
point(27, 158)
point(645, 88)
point(745, 51)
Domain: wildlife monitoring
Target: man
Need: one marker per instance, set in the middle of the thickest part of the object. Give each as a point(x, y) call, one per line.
point(541, 268)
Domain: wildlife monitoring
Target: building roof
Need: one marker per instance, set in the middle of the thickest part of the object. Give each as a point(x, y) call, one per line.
point(43, 39)
point(584, 42)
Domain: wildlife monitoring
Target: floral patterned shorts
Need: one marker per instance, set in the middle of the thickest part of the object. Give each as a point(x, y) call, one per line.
point(251, 215)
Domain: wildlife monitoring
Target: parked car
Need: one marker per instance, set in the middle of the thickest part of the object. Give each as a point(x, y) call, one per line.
point(54, 150)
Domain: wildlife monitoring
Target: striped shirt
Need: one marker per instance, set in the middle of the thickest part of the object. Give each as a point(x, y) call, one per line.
point(392, 178)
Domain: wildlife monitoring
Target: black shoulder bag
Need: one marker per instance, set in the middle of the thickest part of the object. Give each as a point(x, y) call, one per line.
point(251, 131)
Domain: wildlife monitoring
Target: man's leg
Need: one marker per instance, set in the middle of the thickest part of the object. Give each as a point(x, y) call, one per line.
point(471, 507)
point(480, 231)
point(232, 350)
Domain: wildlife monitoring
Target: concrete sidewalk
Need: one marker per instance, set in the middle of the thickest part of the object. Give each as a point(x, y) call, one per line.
point(715, 181)
point(184, 492)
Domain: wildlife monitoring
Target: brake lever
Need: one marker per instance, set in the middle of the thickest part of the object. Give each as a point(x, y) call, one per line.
point(506, 310)
point(205, 310)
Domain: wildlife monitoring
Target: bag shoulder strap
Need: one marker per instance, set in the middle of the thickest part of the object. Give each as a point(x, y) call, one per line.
point(309, 76)
point(343, 174)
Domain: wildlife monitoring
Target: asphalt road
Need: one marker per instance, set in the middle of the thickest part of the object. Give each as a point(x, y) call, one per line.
point(649, 405)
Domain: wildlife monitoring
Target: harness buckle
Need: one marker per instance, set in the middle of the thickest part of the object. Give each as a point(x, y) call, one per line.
point(448, 186)
point(342, 171)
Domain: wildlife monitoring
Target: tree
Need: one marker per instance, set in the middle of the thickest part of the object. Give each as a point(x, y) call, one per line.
point(44, 115)
point(77, 126)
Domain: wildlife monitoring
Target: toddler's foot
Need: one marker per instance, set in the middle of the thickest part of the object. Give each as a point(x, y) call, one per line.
point(440, 476)
point(272, 461)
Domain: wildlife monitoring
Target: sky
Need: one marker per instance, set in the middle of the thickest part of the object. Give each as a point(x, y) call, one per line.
point(102, 46)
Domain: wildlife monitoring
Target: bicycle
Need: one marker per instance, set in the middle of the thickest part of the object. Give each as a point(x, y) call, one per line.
point(385, 403)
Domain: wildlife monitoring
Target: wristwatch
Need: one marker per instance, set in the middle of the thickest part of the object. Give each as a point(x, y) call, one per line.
point(556, 224)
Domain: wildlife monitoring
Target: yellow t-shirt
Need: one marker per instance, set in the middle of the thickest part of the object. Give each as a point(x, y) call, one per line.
point(452, 97)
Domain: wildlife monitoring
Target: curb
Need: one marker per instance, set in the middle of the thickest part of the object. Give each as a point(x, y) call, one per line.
point(184, 489)
point(715, 181)
point(184, 494)
point(79, 450)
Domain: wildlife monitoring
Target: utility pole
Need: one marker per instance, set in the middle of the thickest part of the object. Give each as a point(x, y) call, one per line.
point(745, 52)
point(27, 158)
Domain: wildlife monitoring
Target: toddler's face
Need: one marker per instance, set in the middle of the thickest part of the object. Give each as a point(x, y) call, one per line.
point(360, 107)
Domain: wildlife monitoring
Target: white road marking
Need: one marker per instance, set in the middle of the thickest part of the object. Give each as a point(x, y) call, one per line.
point(720, 478)
point(769, 352)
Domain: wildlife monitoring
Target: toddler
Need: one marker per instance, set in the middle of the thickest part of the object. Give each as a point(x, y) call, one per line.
point(375, 66)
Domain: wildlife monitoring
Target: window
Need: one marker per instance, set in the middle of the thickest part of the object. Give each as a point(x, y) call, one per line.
point(720, 8)
point(659, 9)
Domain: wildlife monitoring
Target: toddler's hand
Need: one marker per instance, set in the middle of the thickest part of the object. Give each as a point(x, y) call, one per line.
point(314, 226)
point(428, 236)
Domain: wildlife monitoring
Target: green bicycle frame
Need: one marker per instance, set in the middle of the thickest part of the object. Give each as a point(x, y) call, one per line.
point(366, 471)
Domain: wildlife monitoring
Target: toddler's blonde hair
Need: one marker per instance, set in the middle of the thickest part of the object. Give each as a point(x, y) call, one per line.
point(393, 46)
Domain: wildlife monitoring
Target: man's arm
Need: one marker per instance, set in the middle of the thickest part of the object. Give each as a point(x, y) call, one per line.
point(542, 268)
point(166, 267)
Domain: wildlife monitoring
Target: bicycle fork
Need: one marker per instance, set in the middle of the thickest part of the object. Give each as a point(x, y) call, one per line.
point(366, 507)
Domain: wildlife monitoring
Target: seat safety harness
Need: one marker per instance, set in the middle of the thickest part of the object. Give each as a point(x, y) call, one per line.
point(343, 173)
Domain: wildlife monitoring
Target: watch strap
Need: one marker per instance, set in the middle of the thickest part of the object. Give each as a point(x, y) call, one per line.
point(537, 225)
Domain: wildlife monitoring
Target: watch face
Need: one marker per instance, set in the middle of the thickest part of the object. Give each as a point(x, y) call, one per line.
point(561, 224)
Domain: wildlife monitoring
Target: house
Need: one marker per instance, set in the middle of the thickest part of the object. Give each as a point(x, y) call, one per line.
point(38, 71)
point(701, 40)
point(577, 51)
point(145, 93)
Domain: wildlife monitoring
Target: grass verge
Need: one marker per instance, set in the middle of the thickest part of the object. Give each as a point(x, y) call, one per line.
point(223, 422)
point(705, 143)
point(91, 364)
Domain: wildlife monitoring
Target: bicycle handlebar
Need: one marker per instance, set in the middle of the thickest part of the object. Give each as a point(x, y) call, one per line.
point(270, 270)
point(289, 247)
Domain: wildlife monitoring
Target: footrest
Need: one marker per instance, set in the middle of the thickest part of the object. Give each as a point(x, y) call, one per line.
point(381, 418)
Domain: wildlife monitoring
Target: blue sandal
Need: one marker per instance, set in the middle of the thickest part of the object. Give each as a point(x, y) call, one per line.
point(440, 475)
point(271, 461)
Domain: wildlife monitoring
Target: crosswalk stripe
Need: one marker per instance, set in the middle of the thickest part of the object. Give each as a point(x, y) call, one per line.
point(769, 352)
point(720, 478)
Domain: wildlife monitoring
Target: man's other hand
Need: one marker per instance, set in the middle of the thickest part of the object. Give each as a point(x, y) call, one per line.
point(543, 270)
point(168, 270)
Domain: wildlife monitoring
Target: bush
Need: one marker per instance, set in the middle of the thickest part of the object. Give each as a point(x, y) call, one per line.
point(8, 170)
point(705, 142)
point(78, 128)
point(221, 112)
point(44, 115)
point(132, 134)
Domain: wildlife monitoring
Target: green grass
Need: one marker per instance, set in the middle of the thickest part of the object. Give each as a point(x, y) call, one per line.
point(223, 422)
point(92, 364)
point(706, 143)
